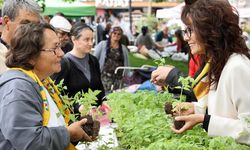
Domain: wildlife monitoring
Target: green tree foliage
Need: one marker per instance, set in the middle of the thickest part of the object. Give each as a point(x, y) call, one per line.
point(42, 3)
point(1, 3)
point(151, 22)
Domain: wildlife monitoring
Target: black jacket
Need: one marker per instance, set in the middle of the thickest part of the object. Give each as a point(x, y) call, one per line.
point(172, 82)
point(76, 81)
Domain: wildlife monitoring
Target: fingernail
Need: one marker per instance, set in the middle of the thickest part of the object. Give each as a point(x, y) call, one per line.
point(177, 118)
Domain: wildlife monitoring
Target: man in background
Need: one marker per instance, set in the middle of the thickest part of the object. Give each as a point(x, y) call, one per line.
point(163, 37)
point(63, 27)
point(14, 13)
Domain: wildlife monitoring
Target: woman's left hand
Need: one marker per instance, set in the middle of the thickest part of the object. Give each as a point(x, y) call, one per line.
point(190, 122)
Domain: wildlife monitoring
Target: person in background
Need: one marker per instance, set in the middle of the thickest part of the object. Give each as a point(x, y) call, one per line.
point(246, 38)
point(106, 31)
point(63, 27)
point(222, 87)
point(60, 14)
point(163, 37)
point(99, 30)
point(14, 13)
point(135, 31)
point(111, 54)
point(181, 45)
point(29, 101)
point(81, 70)
point(145, 44)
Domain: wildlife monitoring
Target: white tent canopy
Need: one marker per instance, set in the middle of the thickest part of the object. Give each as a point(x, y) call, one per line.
point(244, 12)
point(173, 12)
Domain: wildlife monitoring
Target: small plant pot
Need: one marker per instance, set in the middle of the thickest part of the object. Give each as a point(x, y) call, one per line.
point(91, 127)
point(168, 108)
point(179, 124)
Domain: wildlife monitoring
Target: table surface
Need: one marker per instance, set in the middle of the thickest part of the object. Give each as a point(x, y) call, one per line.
point(107, 137)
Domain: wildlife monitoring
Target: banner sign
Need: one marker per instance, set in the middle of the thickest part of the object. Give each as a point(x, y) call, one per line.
point(112, 3)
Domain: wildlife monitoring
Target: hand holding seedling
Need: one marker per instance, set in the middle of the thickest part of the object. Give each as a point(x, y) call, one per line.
point(160, 74)
point(183, 108)
point(86, 101)
point(77, 133)
point(190, 122)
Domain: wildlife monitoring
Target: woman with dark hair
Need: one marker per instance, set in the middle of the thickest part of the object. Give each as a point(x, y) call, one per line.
point(145, 39)
point(222, 85)
point(80, 70)
point(182, 45)
point(111, 54)
point(29, 101)
point(145, 44)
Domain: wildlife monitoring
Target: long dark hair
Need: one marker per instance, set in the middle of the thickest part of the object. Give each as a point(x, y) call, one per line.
point(184, 44)
point(215, 23)
point(144, 30)
point(108, 47)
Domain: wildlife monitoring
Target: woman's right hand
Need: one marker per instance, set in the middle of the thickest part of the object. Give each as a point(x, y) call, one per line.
point(185, 108)
point(160, 74)
point(77, 133)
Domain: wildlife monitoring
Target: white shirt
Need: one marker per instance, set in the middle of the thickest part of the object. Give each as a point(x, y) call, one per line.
point(54, 121)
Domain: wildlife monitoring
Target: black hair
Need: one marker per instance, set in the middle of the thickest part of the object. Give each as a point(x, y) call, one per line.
point(144, 30)
point(77, 29)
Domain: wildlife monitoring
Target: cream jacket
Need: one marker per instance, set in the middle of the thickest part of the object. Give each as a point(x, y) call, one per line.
point(229, 104)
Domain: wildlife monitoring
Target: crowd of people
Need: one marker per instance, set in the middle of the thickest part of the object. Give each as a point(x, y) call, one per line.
point(36, 53)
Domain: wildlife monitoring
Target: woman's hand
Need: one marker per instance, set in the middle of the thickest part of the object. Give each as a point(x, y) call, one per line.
point(183, 109)
point(160, 74)
point(190, 122)
point(77, 133)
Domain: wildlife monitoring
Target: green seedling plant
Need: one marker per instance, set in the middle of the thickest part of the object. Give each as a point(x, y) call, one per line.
point(160, 62)
point(87, 99)
point(143, 125)
point(186, 83)
point(67, 102)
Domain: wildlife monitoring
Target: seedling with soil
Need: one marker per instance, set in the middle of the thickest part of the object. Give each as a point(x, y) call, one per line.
point(170, 108)
point(87, 100)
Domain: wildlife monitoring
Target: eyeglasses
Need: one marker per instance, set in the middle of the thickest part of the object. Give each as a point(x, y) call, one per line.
point(187, 32)
point(58, 46)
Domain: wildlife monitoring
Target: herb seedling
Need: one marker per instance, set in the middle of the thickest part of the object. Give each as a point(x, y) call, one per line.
point(160, 62)
point(177, 107)
point(87, 100)
point(67, 102)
